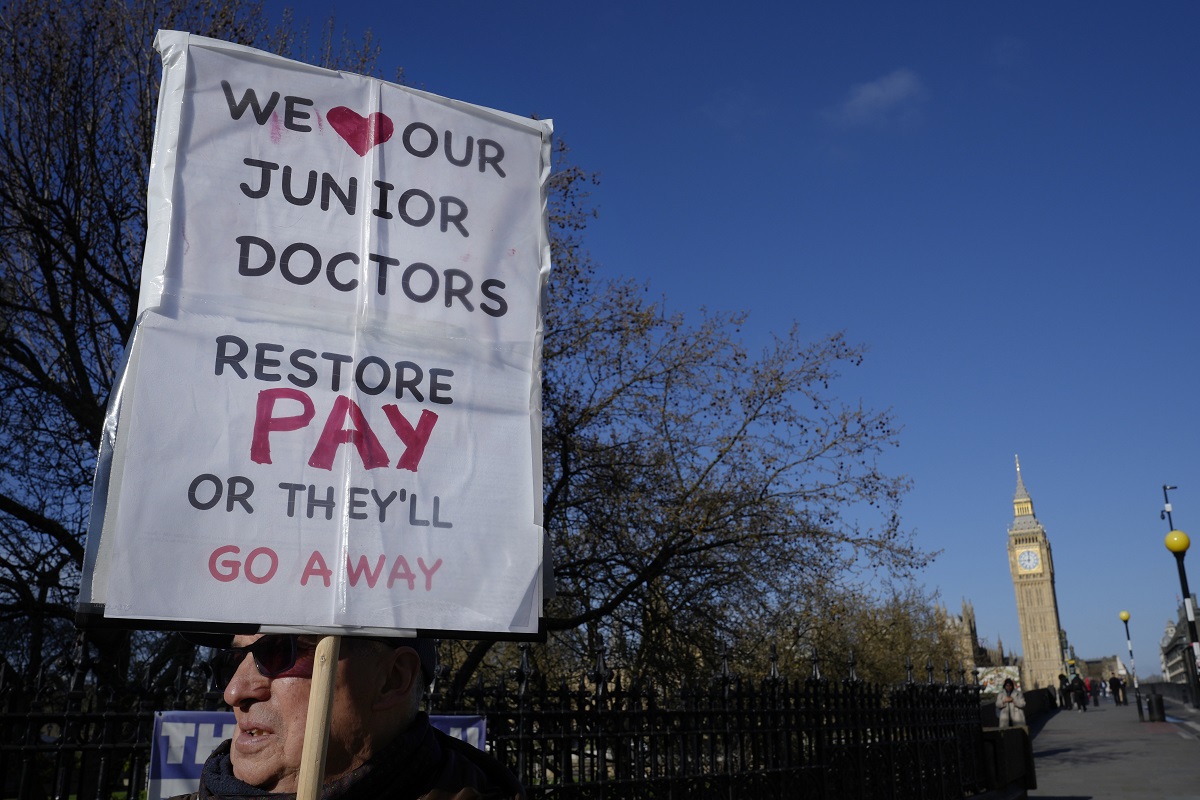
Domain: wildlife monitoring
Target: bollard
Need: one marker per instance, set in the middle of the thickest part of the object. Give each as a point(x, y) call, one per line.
point(1154, 707)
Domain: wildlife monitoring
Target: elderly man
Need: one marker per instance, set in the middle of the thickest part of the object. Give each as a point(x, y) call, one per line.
point(381, 745)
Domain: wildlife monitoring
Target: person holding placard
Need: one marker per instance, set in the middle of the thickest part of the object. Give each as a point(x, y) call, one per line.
point(362, 368)
point(381, 745)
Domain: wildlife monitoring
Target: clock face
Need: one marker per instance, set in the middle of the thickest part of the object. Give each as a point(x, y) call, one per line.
point(1028, 559)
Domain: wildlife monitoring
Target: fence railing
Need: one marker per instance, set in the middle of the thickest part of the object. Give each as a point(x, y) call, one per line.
point(74, 754)
point(606, 738)
point(771, 738)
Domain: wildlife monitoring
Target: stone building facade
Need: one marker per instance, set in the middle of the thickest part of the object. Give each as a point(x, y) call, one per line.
point(1174, 648)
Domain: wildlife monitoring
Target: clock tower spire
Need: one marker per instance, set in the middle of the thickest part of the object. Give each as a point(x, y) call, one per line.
point(1032, 568)
point(1022, 502)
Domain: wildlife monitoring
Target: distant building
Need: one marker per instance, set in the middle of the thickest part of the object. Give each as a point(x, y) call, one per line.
point(971, 652)
point(961, 630)
point(1102, 668)
point(1174, 648)
point(1032, 568)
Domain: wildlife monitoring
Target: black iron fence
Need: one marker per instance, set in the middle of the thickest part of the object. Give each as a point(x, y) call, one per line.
point(605, 737)
point(74, 755)
point(737, 739)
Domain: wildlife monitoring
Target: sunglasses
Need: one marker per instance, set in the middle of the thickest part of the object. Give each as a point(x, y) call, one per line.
point(278, 655)
point(275, 656)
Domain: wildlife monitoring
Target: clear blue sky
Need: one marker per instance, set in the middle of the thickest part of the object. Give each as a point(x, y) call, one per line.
point(1001, 199)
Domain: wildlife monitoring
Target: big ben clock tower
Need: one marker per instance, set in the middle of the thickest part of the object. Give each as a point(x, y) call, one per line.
point(1037, 604)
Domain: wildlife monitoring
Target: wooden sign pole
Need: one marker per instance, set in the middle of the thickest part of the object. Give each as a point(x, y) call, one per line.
point(316, 729)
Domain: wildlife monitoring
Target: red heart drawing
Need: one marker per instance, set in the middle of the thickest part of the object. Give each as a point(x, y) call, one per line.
point(361, 133)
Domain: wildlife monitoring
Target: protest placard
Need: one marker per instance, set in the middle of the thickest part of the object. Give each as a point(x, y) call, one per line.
point(329, 414)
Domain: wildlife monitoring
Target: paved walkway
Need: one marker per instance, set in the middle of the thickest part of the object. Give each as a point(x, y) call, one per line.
point(1106, 754)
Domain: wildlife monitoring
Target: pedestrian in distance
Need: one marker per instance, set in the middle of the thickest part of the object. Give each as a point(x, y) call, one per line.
point(381, 745)
point(1079, 693)
point(1116, 687)
point(1064, 692)
point(1094, 691)
point(1010, 705)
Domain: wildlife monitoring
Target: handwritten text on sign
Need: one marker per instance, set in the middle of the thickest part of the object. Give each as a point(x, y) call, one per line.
point(330, 411)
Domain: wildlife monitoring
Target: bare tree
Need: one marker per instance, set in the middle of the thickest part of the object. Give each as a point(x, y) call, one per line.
point(687, 484)
point(876, 627)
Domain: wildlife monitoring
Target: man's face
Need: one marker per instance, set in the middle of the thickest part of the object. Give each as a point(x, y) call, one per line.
point(271, 715)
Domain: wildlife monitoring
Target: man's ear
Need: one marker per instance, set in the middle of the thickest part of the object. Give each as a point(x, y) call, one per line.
point(403, 669)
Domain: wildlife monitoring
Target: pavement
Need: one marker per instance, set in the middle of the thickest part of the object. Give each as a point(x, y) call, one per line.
point(1105, 753)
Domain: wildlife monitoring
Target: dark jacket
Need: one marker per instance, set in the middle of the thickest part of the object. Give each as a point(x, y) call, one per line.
point(422, 764)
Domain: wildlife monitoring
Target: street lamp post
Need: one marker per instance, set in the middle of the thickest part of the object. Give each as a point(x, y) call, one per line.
point(1177, 542)
point(1137, 694)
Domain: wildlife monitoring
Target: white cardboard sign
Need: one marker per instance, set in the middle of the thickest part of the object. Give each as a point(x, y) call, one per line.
point(329, 417)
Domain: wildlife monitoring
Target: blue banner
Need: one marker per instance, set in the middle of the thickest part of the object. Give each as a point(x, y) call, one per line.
point(183, 740)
